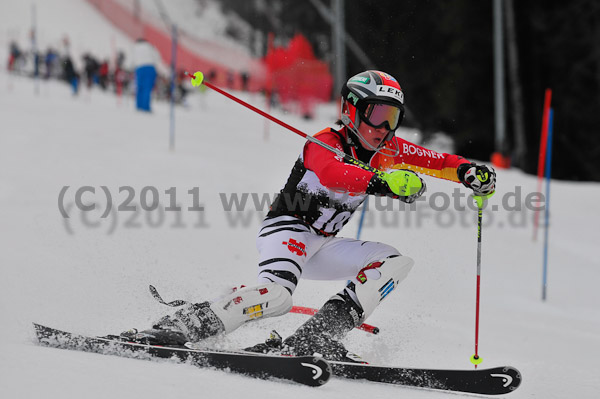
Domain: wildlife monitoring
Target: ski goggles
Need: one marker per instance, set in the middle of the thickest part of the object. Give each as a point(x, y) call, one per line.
point(380, 115)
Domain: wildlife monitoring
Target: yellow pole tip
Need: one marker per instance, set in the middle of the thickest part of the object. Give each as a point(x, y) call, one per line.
point(479, 199)
point(476, 360)
point(197, 79)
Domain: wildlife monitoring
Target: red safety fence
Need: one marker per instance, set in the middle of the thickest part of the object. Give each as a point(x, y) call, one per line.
point(224, 65)
point(293, 73)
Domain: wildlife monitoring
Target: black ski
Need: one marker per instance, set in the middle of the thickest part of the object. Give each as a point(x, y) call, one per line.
point(308, 370)
point(494, 381)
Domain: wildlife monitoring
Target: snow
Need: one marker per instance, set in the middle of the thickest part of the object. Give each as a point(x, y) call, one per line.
point(86, 30)
point(199, 20)
point(90, 275)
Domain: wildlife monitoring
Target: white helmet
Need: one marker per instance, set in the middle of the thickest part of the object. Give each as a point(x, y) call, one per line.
point(375, 98)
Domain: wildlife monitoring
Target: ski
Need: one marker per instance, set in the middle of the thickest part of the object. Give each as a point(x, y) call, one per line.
point(307, 370)
point(493, 381)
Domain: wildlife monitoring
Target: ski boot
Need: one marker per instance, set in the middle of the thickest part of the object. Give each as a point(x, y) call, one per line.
point(197, 321)
point(192, 323)
point(155, 336)
point(318, 336)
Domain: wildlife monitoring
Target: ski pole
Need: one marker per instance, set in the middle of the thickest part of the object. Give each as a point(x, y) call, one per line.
point(475, 359)
point(362, 218)
point(197, 79)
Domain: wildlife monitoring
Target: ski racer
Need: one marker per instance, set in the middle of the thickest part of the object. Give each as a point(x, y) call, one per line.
point(298, 238)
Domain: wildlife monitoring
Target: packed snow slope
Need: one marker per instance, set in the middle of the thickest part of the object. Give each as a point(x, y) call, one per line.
point(89, 274)
point(77, 22)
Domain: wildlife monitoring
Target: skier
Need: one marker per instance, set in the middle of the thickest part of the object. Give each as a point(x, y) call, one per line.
point(298, 236)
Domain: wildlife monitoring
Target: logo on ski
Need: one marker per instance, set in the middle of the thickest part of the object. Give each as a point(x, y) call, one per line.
point(296, 247)
point(316, 370)
point(506, 379)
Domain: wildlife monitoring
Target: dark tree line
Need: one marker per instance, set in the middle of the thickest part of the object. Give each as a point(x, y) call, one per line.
point(442, 54)
point(560, 49)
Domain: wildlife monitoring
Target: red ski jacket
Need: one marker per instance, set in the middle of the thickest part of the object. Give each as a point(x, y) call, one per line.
point(338, 175)
point(323, 191)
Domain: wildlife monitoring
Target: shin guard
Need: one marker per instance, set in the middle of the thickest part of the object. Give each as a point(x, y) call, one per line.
point(376, 281)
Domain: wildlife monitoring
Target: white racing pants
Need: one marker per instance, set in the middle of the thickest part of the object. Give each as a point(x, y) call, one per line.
point(289, 250)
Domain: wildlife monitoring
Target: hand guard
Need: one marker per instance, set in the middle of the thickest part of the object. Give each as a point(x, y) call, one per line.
point(403, 184)
point(480, 178)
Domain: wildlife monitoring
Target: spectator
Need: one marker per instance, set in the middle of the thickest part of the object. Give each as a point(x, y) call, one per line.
point(181, 90)
point(91, 69)
point(70, 74)
point(50, 61)
point(121, 75)
point(145, 58)
point(212, 75)
point(36, 63)
point(230, 79)
point(245, 79)
point(103, 75)
point(14, 57)
point(121, 60)
point(49, 64)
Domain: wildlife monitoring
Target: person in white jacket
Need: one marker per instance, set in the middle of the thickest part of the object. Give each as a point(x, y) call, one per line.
point(145, 58)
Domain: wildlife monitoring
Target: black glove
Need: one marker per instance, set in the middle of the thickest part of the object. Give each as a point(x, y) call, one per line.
point(480, 178)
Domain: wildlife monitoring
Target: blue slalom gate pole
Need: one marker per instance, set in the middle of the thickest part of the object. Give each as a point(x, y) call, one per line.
point(362, 218)
point(34, 50)
point(547, 208)
point(172, 91)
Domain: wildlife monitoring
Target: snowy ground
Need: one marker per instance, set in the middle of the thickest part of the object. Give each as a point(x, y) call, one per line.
point(85, 29)
point(90, 275)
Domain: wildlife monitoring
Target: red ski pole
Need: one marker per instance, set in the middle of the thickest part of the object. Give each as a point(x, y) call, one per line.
point(198, 79)
point(475, 359)
point(542, 154)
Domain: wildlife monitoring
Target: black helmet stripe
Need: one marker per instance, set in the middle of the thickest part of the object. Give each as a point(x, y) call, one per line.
point(376, 78)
